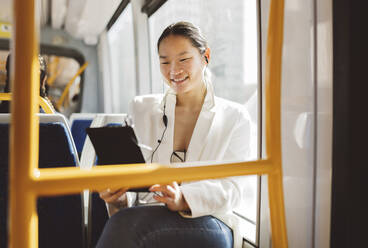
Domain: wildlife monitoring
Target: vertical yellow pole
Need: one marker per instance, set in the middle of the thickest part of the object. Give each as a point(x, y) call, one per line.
point(273, 122)
point(24, 127)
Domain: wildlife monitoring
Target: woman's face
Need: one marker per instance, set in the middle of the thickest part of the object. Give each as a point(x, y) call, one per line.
point(181, 64)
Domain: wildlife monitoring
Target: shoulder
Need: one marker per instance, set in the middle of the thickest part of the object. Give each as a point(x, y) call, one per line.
point(146, 102)
point(232, 109)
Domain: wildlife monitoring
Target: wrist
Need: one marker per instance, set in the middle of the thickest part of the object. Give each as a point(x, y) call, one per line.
point(185, 206)
point(112, 209)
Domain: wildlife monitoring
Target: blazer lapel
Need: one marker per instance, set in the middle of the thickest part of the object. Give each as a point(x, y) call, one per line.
point(200, 135)
point(203, 128)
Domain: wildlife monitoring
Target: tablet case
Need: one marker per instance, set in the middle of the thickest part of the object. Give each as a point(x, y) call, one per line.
point(116, 145)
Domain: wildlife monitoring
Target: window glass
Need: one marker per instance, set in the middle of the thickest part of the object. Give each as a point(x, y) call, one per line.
point(121, 43)
point(3, 55)
point(60, 85)
point(62, 91)
point(231, 30)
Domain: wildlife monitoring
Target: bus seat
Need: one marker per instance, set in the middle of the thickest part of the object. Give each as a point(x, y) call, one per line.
point(97, 209)
point(79, 122)
point(60, 218)
point(4, 143)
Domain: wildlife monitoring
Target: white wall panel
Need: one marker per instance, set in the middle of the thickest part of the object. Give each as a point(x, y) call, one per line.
point(58, 13)
point(298, 100)
point(324, 124)
point(88, 18)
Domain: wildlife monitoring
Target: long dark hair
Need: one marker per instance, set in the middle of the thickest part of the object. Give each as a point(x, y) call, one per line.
point(43, 74)
point(186, 30)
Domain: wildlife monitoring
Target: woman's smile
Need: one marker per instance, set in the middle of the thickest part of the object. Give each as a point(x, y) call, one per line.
point(179, 80)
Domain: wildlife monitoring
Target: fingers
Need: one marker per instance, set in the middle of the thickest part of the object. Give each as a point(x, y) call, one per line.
point(171, 196)
point(111, 196)
point(166, 190)
point(164, 199)
point(163, 187)
point(175, 185)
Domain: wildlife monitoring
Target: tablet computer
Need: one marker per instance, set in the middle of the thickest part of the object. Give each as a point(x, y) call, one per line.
point(116, 145)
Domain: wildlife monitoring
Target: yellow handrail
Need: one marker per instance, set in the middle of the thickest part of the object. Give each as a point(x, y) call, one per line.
point(45, 105)
point(66, 90)
point(48, 181)
point(32, 182)
point(273, 122)
point(24, 130)
point(53, 70)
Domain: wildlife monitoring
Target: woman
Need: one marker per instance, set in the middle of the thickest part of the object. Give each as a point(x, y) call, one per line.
point(5, 105)
point(187, 124)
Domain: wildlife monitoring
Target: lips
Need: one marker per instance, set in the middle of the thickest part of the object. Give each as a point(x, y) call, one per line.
point(179, 80)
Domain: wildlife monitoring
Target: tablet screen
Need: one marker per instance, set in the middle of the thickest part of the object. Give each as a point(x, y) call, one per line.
point(116, 145)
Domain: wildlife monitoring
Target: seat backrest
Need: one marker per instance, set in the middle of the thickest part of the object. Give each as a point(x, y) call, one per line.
point(79, 122)
point(97, 214)
point(60, 218)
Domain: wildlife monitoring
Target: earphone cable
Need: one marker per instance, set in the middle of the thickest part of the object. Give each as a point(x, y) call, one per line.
point(159, 143)
point(164, 118)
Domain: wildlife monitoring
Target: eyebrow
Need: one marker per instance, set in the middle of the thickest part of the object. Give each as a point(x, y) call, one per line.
point(180, 54)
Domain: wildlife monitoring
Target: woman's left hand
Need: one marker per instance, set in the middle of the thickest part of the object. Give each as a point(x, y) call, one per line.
point(171, 196)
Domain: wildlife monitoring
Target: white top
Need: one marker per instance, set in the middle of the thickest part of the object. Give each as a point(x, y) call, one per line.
point(222, 133)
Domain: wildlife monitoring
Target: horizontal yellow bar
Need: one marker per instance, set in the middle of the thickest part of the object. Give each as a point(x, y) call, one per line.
point(68, 180)
point(43, 103)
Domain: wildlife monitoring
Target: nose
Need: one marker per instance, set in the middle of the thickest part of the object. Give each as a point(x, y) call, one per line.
point(175, 73)
point(175, 70)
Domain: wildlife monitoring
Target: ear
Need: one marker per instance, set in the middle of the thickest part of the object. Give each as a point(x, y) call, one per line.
point(207, 54)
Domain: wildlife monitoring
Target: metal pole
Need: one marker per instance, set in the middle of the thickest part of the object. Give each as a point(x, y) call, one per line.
point(24, 127)
point(273, 123)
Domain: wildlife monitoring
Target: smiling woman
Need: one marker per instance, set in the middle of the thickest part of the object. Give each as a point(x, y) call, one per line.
point(194, 125)
point(181, 64)
point(186, 121)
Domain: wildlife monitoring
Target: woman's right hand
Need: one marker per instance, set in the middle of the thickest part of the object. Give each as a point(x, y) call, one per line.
point(113, 200)
point(112, 196)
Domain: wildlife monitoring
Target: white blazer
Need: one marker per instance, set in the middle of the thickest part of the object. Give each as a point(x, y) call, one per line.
point(222, 133)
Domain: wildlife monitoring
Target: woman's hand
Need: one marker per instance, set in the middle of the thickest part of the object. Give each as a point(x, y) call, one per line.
point(112, 196)
point(171, 196)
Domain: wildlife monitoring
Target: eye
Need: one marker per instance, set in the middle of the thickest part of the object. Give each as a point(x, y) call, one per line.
point(185, 59)
point(164, 63)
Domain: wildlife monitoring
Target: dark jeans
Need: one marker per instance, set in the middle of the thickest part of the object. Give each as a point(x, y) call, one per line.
point(156, 226)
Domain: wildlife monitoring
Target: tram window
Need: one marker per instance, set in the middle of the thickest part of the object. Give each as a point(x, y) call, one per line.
point(121, 42)
point(60, 72)
point(231, 30)
point(3, 55)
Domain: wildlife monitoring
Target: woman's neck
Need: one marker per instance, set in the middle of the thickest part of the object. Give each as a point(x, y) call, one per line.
point(193, 99)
